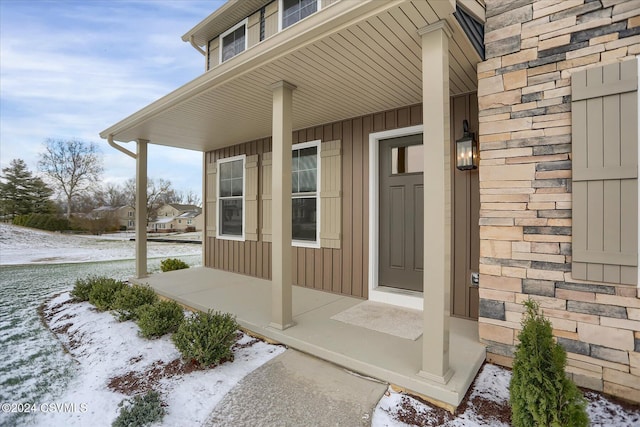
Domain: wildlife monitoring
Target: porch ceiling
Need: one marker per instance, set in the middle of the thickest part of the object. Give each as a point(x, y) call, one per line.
point(349, 59)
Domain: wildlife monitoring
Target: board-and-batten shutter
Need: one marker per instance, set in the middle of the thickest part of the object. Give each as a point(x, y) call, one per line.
point(265, 184)
point(605, 173)
point(331, 194)
point(251, 198)
point(211, 199)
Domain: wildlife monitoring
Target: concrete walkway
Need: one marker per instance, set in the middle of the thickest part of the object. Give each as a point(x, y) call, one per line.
point(295, 389)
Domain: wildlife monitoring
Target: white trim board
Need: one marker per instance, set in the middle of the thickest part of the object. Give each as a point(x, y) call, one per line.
point(386, 295)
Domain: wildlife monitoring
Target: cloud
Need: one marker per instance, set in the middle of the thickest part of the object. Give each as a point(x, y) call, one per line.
point(72, 68)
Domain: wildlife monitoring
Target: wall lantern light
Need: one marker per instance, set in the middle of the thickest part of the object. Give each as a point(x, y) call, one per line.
point(466, 150)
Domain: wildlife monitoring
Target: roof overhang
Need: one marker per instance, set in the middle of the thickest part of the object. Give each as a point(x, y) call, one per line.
point(225, 17)
point(350, 59)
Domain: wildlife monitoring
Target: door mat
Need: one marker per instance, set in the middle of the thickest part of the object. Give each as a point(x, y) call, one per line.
point(389, 319)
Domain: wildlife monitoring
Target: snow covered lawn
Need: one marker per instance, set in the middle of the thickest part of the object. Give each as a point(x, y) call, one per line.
point(113, 360)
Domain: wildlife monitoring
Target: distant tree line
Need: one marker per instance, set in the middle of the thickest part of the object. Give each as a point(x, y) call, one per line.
point(69, 188)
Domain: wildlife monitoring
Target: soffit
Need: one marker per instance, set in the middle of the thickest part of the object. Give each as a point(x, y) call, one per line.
point(225, 17)
point(371, 65)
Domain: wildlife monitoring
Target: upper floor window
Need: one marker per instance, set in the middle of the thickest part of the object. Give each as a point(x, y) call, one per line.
point(296, 10)
point(231, 198)
point(233, 41)
point(305, 193)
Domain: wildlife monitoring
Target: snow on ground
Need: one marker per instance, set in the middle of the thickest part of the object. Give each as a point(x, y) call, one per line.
point(105, 348)
point(21, 245)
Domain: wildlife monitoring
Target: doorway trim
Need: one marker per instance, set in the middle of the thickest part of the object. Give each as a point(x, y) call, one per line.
point(377, 293)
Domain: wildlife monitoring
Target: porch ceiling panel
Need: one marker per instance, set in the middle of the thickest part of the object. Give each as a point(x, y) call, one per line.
point(370, 64)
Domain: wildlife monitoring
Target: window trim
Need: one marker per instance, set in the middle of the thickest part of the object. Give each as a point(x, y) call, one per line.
point(281, 10)
point(219, 235)
point(305, 243)
point(221, 37)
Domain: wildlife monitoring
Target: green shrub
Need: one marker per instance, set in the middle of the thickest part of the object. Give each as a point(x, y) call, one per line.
point(130, 298)
point(206, 337)
point(171, 264)
point(159, 318)
point(541, 394)
point(103, 292)
point(140, 411)
point(82, 288)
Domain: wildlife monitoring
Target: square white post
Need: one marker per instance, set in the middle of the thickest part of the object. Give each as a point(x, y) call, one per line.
point(437, 202)
point(281, 273)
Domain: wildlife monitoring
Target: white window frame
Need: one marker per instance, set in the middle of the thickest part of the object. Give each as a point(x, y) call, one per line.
point(281, 10)
point(305, 243)
point(219, 234)
point(244, 23)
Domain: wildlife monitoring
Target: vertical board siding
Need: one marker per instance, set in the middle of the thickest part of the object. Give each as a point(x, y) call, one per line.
point(605, 173)
point(341, 270)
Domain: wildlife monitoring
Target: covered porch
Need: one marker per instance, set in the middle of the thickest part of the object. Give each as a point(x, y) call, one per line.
point(379, 355)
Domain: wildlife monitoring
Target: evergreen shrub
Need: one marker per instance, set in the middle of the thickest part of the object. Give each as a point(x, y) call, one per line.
point(82, 288)
point(103, 292)
point(207, 337)
point(171, 264)
point(541, 394)
point(140, 411)
point(162, 317)
point(130, 298)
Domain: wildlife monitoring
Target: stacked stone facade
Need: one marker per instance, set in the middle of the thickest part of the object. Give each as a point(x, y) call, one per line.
point(524, 96)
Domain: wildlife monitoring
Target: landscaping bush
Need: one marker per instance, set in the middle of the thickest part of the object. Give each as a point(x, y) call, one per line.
point(159, 318)
point(130, 299)
point(541, 394)
point(82, 288)
point(171, 264)
point(103, 292)
point(206, 337)
point(140, 411)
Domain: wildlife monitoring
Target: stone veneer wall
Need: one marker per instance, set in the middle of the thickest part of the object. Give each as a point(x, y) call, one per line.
point(524, 96)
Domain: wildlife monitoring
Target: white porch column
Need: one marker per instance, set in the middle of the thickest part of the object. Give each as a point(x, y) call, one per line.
point(437, 202)
point(281, 282)
point(141, 209)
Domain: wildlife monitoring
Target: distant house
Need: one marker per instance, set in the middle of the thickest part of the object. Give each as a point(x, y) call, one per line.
point(177, 217)
point(329, 132)
point(122, 215)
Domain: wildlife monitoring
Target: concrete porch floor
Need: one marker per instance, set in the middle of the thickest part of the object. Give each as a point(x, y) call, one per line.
point(374, 354)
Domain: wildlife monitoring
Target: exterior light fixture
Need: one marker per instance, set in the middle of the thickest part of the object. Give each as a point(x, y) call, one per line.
point(466, 150)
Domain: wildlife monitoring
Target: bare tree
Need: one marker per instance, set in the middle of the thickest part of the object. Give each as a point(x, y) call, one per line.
point(159, 192)
point(72, 165)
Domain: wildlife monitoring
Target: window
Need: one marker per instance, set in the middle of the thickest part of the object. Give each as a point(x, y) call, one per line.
point(233, 41)
point(305, 193)
point(130, 213)
point(231, 198)
point(293, 11)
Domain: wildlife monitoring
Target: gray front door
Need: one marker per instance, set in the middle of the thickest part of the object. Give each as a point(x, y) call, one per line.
point(401, 213)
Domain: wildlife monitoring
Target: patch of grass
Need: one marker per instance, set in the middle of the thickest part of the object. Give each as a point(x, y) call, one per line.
point(207, 337)
point(129, 299)
point(171, 264)
point(159, 318)
point(140, 411)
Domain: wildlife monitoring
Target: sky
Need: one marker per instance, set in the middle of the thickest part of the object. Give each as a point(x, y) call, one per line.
point(71, 68)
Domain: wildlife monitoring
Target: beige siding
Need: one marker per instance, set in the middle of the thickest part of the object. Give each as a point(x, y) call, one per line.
point(605, 185)
point(331, 194)
point(343, 270)
point(213, 53)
